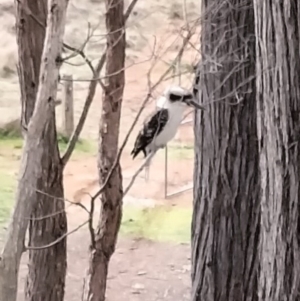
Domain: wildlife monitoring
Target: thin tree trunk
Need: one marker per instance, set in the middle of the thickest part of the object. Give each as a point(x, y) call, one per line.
point(111, 198)
point(40, 169)
point(225, 225)
point(47, 267)
point(30, 41)
point(278, 103)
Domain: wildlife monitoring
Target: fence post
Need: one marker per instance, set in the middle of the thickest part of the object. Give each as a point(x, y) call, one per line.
point(68, 108)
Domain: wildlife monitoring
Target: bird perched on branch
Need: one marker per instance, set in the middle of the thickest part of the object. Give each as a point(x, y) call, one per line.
point(162, 125)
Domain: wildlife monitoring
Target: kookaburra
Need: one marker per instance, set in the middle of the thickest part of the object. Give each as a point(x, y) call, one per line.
point(162, 125)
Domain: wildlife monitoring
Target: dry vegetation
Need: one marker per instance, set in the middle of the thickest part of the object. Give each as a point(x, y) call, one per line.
point(154, 34)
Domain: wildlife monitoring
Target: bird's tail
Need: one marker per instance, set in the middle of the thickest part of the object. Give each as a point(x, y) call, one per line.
point(137, 150)
point(134, 153)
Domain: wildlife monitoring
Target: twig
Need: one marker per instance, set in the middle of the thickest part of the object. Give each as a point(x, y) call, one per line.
point(43, 25)
point(62, 199)
point(184, 12)
point(57, 240)
point(48, 215)
point(91, 227)
point(89, 99)
point(89, 63)
point(111, 74)
point(59, 211)
point(79, 204)
point(138, 172)
point(75, 51)
point(130, 9)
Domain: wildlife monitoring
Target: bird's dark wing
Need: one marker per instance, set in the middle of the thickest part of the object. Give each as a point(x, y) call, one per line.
point(151, 129)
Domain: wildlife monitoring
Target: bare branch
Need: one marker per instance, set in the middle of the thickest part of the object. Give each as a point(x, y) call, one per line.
point(91, 227)
point(47, 215)
point(63, 199)
point(145, 163)
point(112, 74)
point(151, 88)
point(130, 9)
point(89, 99)
point(57, 240)
point(59, 211)
point(79, 51)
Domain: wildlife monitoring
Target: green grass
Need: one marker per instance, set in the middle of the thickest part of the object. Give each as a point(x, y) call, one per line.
point(7, 188)
point(11, 137)
point(6, 196)
point(12, 143)
point(11, 130)
point(82, 146)
point(160, 223)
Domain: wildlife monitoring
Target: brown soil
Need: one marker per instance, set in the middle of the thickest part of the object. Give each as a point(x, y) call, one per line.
point(140, 269)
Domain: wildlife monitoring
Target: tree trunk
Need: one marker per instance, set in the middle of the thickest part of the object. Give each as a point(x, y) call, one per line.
point(40, 171)
point(225, 224)
point(47, 267)
point(111, 198)
point(278, 105)
point(30, 40)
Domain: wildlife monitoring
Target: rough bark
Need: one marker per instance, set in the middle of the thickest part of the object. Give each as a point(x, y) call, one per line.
point(46, 268)
point(225, 224)
point(30, 40)
point(38, 168)
point(111, 198)
point(278, 104)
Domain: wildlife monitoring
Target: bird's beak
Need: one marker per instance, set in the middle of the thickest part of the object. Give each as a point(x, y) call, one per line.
point(190, 101)
point(194, 104)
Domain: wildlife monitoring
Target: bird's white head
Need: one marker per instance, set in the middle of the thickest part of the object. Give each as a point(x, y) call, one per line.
point(176, 96)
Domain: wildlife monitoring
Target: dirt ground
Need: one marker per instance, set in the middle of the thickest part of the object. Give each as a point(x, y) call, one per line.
point(140, 269)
